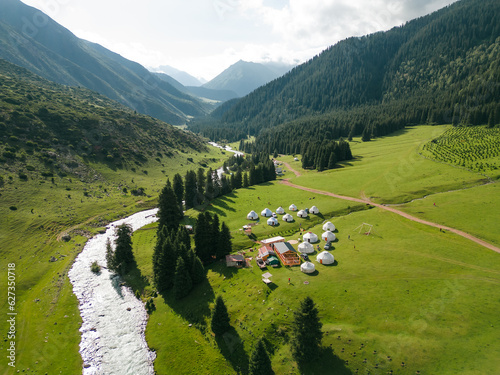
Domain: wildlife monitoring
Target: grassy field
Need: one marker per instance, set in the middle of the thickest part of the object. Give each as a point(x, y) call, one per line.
point(48, 317)
point(408, 293)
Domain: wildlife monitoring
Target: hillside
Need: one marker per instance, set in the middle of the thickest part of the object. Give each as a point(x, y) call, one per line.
point(243, 77)
point(33, 40)
point(441, 68)
point(182, 77)
point(66, 128)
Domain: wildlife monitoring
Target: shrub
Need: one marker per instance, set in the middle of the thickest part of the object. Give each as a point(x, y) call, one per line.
point(13, 208)
point(95, 267)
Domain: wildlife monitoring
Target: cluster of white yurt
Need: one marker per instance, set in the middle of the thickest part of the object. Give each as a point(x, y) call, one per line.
point(310, 237)
point(288, 218)
point(266, 212)
point(314, 210)
point(325, 258)
point(293, 207)
point(329, 226)
point(305, 248)
point(302, 214)
point(328, 236)
point(252, 215)
point(272, 221)
point(280, 210)
point(307, 267)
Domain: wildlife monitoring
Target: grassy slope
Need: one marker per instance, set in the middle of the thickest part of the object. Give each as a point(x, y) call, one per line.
point(422, 297)
point(30, 239)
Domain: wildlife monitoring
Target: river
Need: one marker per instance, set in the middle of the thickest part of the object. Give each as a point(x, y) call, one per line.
point(114, 320)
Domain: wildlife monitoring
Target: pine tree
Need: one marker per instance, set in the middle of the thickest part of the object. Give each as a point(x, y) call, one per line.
point(260, 364)
point(209, 185)
point(200, 182)
point(182, 280)
point(332, 161)
point(214, 234)
point(202, 238)
point(220, 318)
point(198, 274)
point(178, 187)
point(164, 259)
point(123, 256)
point(169, 212)
point(190, 190)
point(245, 180)
point(110, 256)
point(307, 333)
point(224, 246)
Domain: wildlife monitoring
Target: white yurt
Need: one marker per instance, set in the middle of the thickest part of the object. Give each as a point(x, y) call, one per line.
point(328, 236)
point(280, 210)
point(302, 214)
point(252, 215)
point(314, 210)
point(329, 226)
point(310, 237)
point(305, 248)
point(272, 221)
point(307, 267)
point(292, 207)
point(288, 218)
point(266, 212)
point(325, 258)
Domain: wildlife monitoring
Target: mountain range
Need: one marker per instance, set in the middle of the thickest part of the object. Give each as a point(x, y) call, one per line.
point(440, 68)
point(31, 39)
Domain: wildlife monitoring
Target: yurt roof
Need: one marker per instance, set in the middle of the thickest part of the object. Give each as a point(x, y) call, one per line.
point(292, 207)
point(311, 235)
point(314, 210)
point(329, 226)
point(329, 236)
point(302, 213)
point(307, 267)
point(287, 217)
point(272, 220)
point(280, 210)
point(306, 247)
point(266, 212)
point(326, 257)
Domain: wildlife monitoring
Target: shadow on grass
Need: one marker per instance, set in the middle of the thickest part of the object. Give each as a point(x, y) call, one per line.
point(231, 347)
point(223, 270)
point(195, 307)
point(326, 363)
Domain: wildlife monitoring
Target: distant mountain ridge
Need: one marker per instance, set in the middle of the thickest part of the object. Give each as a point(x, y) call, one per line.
point(31, 39)
point(182, 77)
point(440, 68)
point(243, 77)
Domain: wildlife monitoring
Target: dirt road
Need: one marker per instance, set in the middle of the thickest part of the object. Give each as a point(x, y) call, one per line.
point(391, 209)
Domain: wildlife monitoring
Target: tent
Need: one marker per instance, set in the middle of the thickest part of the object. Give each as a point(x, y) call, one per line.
point(302, 214)
point(252, 215)
point(329, 226)
point(272, 221)
point(328, 236)
point(307, 267)
point(288, 218)
point(273, 261)
point(292, 207)
point(265, 278)
point(305, 248)
point(325, 258)
point(310, 237)
point(314, 210)
point(266, 212)
point(280, 210)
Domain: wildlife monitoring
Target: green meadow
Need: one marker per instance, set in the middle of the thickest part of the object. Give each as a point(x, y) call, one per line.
point(48, 317)
point(407, 298)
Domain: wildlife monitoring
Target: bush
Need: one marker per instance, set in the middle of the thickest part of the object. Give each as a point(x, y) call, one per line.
point(95, 267)
point(13, 208)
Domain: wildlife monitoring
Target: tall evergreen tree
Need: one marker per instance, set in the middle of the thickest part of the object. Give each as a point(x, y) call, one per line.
point(200, 182)
point(169, 212)
point(224, 246)
point(178, 187)
point(190, 190)
point(123, 256)
point(209, 185)
point(245, 180)
point(198, 274)
point(202, 238)
point(164, 260)
point(260, 364)
point(182, 280)
point(332, 161)
point(220, 318)
point(214, 234)
point(307, 334)
point(110, 256)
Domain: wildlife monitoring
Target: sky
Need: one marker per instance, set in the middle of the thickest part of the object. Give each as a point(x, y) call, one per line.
point(204, 37)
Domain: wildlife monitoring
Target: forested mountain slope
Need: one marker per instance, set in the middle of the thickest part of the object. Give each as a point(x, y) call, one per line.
point(441, 68)
point(31, 39)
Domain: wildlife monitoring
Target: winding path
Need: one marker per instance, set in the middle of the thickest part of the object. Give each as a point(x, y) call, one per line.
point(391, 209)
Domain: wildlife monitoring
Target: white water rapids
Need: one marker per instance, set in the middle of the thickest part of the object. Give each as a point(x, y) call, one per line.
point(114, 320)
